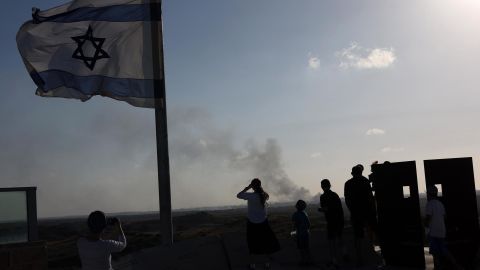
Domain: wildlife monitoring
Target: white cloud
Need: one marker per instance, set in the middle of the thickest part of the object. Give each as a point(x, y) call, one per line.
point(313, 62)
point(375, 131)
point(316, 155)
point(365, 58)
point(203, 143)
point(389, 149)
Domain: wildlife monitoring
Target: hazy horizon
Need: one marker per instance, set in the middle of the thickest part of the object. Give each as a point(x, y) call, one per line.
point(285, 91)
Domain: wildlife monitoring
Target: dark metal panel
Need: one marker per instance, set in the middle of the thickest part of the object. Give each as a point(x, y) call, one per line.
point(17, 189)
point(457, 182)
point(32, 214)
point(400, 227)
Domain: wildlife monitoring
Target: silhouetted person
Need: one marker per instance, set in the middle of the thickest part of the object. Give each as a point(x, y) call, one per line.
point(372, 175)
point(435, 222)
point(360, 202)
point(331, 205)
point(301, 225)
point(95, 252)
point(384, 232)
point(260, 238)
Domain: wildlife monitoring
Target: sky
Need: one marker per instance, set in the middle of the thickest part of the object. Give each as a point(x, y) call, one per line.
point(288, 91)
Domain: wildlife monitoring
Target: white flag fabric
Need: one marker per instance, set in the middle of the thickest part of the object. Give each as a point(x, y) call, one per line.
point(90, 47)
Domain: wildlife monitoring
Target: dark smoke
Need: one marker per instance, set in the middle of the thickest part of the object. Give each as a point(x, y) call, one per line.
point(196, 139)
point(106, 159)
point(266, 164)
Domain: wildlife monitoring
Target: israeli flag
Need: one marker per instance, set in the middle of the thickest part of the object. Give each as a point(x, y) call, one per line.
point(90, 47)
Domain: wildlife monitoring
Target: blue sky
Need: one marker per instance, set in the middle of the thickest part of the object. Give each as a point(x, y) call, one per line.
point(292, 92)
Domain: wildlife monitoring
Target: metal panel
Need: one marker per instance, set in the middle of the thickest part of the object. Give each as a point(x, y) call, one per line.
point(457, 183)
point(32, 214)
point(400, 227)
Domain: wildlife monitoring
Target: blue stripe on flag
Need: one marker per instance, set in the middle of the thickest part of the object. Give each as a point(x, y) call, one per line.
point(94, 84)
point(117, 13)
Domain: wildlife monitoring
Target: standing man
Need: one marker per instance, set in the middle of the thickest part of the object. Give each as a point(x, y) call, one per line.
point(331, 205)
point(361, 204)
point(436, 230)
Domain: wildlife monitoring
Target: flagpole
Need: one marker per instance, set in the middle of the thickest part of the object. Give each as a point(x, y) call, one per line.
point(161, 123)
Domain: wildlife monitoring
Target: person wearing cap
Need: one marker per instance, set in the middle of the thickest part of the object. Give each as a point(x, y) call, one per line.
point(96, 253)
point(436, 230)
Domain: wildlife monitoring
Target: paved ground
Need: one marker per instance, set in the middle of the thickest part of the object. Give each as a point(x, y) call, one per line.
point(229, 252)
point(201, 253)
point(288, 257)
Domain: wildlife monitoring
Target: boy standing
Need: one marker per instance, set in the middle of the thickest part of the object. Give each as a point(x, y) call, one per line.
point(301, 225)
point(435, 222)
point(331, 205)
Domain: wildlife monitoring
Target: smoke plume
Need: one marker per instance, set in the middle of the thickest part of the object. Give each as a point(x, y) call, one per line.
point(106, 159)
point(197, 140)
point(266, 164)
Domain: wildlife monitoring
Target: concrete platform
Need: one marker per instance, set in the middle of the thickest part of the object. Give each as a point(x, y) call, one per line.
point(200, 253)
point(289, 257)
point(230, 252)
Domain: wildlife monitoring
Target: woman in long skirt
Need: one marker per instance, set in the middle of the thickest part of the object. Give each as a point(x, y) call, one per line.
point(260, 238)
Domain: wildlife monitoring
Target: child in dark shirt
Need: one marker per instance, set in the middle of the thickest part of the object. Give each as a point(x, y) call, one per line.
point(301, 225)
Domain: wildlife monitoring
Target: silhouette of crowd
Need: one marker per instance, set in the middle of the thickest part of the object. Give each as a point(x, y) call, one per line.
point(362, 206)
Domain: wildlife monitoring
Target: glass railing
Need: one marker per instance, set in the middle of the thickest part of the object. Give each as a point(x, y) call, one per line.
point(14, 223)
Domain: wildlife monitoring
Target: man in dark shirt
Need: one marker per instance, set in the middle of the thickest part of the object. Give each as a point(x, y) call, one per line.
point(331, 205)
point(361, 204)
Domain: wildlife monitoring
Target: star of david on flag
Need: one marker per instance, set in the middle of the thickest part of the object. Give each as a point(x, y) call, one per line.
point(90, 47)
point(96, 42)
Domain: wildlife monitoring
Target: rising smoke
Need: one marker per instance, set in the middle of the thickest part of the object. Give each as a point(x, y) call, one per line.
point(197, 140)
point(266, 163)
point(107, 160)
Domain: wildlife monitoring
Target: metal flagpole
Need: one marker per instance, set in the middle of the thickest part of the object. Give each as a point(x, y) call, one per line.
point(161, 123)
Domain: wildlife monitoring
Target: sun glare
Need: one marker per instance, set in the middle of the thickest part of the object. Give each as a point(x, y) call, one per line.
point(461, 6)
